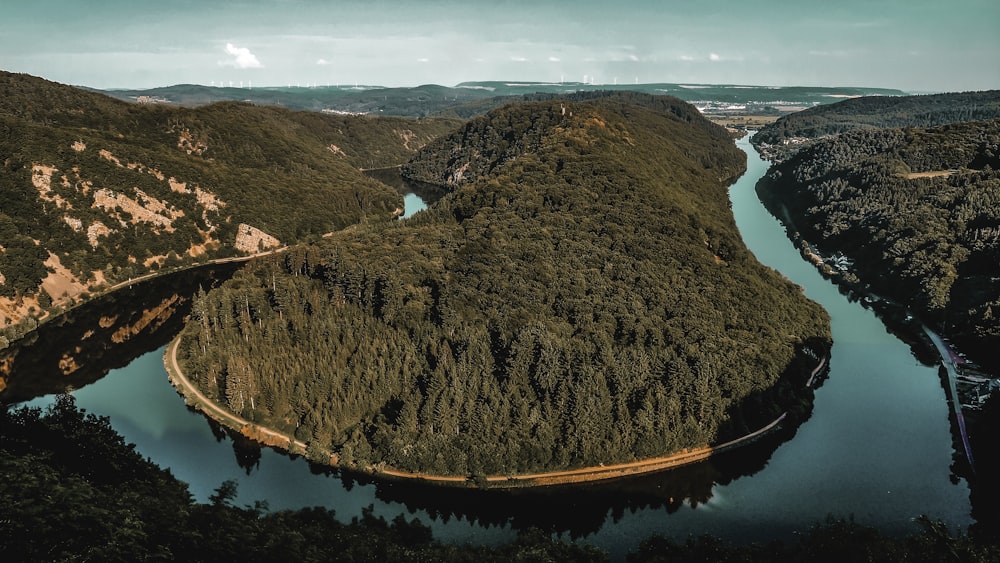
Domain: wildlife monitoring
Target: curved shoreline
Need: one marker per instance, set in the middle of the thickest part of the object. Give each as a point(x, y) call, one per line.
point(63, 308)
point(269, 437)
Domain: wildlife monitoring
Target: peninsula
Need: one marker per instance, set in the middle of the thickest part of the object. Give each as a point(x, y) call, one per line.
point(581, 297)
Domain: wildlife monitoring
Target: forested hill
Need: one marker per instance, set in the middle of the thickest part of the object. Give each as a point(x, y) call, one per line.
point(919, 212)
point(583, 297)
point(483, 145)
point(782, 138)
point(95, 191)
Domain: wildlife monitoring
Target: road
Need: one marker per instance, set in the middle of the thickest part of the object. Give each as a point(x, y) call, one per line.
point(216, 261)
point(948, 361)
point(213, 410)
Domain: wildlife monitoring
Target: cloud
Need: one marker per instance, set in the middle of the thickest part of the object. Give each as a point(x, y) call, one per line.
point(714, 57)
point(241, 57)
point(519, 59)
point(633, 58)
point(686, 58)
point(423, 60)
point(322, 62)
point(554, 59)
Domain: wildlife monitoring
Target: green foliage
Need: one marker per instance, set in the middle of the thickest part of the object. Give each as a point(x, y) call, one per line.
point(581, 297)
point(932, 242)
point(784, 137)
point(293, 175)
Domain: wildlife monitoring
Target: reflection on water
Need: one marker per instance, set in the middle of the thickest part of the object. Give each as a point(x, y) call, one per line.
point(82, 345)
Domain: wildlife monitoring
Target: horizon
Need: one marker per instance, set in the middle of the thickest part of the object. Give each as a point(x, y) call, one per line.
point(509, 83)
point(907, 45)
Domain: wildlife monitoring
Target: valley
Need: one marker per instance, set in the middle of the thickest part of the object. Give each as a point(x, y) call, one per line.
point(460, 339)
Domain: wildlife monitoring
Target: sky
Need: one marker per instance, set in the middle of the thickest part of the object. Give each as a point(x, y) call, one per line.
point(912, 45)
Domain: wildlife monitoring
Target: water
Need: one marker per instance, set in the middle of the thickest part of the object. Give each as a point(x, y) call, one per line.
point(411, 204)
point(415, 194)
point(877, 448)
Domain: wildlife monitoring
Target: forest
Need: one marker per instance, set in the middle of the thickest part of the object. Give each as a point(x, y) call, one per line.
point(582, 296)
point(779, 140)
point(123, 189)
point(918, 210)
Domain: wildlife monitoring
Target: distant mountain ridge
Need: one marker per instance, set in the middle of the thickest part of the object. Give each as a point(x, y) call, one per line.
point(468, 99)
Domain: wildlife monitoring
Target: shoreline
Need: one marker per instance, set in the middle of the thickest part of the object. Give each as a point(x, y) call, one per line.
point(59, 309)
point(269, 437)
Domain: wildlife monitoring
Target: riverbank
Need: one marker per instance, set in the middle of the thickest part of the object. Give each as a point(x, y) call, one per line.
point(59, 308)
point(269, 437)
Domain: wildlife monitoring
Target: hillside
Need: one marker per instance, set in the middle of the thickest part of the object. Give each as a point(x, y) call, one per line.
point(917, 210)
point(581, 297)
point(785, 136)
point(95, 191)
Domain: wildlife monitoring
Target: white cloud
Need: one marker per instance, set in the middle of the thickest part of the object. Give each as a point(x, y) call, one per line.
point(686, 58)
point(714, 57)
point(241, 57)
point(519, 59)
point(633, 58)
point(554, 59)
point(423, 60)
point(322, 62)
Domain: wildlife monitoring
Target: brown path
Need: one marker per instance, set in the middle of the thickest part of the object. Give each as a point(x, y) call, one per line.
point(595, 473)
point(195, 397)
point(548, 478)
point(215, 261)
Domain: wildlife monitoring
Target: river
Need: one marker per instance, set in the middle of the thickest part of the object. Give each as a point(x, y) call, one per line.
point(877, 448)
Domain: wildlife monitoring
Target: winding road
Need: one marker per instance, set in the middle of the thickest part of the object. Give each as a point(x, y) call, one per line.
point(948, 361)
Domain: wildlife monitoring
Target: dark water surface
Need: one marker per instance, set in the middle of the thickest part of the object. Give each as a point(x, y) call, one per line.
point(877, 448)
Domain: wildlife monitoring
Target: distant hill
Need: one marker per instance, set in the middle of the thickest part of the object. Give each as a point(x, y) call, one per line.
point(582, 296)
point(469, 99)
point(95, 191)
point(417, 101)
point(782, 138)
point(917, 209)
